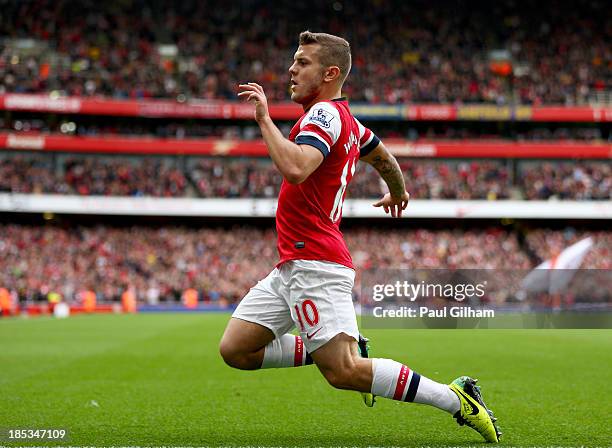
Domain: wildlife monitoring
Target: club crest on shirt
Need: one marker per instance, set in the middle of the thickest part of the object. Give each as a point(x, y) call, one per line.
point(322, 117)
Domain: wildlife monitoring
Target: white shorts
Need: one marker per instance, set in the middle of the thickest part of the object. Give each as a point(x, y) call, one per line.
point(314, 296)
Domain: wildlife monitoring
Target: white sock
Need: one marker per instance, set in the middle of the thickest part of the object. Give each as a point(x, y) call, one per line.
point(397, 382)
point(438, 395)
point(286, 351)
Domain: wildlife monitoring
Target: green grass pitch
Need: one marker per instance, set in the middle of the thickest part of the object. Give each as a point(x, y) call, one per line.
point(157, 379)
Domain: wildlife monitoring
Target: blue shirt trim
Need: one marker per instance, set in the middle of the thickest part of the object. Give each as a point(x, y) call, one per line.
point(312, 141)
point(367, 149)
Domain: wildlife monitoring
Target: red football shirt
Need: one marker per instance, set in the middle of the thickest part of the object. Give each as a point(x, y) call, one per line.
point(308, 215)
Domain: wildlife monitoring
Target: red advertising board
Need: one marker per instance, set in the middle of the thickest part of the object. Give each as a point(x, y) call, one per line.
point(256, 148)
point(290, 111)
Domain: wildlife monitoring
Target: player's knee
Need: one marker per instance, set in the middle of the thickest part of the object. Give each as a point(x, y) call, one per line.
point(227, 352)
point(234, 357)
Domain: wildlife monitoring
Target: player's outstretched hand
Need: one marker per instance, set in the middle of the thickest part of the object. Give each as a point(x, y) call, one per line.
point(255, 93)
point(392, 205)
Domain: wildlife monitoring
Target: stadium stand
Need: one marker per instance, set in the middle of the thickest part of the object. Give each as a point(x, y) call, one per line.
point(533, 54)
point(160, 263)
point(257, 178)
point(586, 181)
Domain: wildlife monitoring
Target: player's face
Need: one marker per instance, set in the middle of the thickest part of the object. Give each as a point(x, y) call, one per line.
point(306, 74)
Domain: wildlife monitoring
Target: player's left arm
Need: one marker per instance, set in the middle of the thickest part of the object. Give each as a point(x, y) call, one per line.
point(295, 162)
point(386, 164)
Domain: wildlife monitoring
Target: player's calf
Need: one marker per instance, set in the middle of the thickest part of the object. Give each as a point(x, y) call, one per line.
point(342, 366)
point(349, 376)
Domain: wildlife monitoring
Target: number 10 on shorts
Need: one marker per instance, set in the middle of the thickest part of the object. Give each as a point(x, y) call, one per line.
point(307, 313)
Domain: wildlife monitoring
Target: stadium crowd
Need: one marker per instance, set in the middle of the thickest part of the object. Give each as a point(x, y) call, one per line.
point(92, 176)
point(582, 181)
point(526, 52)
point(97, 176)
point(217, 177)
point(159, 264)
point(475, 179)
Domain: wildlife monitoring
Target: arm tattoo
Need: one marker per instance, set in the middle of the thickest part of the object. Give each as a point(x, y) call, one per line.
point(391, 173)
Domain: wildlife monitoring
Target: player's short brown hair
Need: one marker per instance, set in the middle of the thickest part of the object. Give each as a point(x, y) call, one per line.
point(333, 50)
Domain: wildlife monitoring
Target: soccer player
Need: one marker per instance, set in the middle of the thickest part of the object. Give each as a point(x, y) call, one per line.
point(311, 286)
